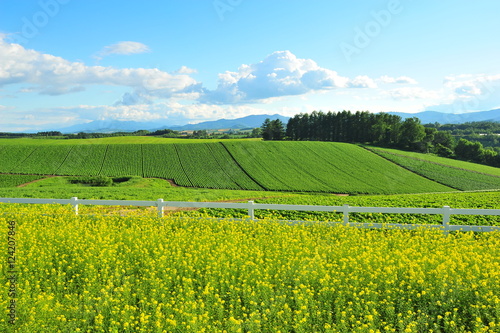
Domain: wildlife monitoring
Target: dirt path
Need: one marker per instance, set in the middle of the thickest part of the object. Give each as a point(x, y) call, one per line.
point(171, 182)
point(37, 180)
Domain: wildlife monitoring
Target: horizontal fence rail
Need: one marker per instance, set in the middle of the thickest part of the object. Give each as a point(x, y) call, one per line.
point(251, 206)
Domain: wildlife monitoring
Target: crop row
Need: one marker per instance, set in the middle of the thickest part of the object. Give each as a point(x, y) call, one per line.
point(16, 180)
point(200, 165)
point(134, 274)
point(454, 177)
point(325, 167)
point(481, 168)
point(249, 165)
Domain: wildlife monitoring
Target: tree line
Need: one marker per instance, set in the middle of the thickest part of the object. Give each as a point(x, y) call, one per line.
point(379, 129)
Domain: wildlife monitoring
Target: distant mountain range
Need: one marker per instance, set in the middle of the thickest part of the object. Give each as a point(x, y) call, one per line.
point(427, 117)
point(239, 123)
point(109, 126)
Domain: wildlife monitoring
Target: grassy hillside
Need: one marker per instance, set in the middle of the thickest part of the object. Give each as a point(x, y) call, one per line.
point(16, 180)
point(230, 164)
point(444, 161)
point(325, 167)
point(457, 174)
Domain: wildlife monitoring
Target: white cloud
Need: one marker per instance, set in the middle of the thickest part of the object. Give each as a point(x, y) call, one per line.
point(53, 75)
point(472, 85)
point(397, 80)
point(185, 70)
point(362, 81)
point(164, 113)
point(123, 48)
point(469, 92)
point(408, 93)
point(14, 119)
point(279, 74)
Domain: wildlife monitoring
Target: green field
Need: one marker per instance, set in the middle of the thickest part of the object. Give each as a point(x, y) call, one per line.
point(16, 180)
point(481, 168)
point(230, 164)
point(325, 167)
point(457, 174)
point(248, 165)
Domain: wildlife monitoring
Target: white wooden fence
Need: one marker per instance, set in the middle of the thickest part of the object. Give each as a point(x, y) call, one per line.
point(251, 206)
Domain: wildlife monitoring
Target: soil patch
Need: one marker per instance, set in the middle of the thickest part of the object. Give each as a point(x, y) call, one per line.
point(35, 181)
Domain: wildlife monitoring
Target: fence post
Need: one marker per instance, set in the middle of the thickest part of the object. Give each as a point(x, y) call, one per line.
point(346, 214)
point(74, 203)
point(446, 217)
point(159, 204)
point(251, 211)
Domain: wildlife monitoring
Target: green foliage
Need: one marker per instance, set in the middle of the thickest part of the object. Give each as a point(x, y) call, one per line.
point(412, 134)
point(135, 189)
point(469, 151)
point(325, 167)
point(450, 176)
point(13, 156)
point(92, 181)
point(446, 161)
point(210, 165)
point(443, 151)
point(237, 164)
point(44, 160)
point(386, 130)
point(16, 180)
point(273, 129)
point(122, 160)
point(162, 161)
point(83, 160)
point(166, 133)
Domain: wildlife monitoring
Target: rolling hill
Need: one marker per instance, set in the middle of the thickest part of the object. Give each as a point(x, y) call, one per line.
point(246, 164)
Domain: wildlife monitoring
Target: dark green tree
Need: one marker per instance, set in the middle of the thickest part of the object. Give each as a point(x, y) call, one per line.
point(256, 133)
point(277, 130)
point(412, 134)
point(469, 151)
point(266, 129)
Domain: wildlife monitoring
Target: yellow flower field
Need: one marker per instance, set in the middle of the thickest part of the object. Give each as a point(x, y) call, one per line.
point(146, 274)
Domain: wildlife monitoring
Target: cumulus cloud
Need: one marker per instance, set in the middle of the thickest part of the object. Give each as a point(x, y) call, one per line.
point(472, 85)
point(279, 74)
point(134, 98)
point(123, 48)
point(408, 93)
point(397, 80)
point(470, 92)
point(362, 81)
point(185, 70)
point(15, 119)
point(166, 113)
point(53, 75)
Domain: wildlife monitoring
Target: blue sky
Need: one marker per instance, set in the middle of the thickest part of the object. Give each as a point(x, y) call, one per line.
point(65, 62)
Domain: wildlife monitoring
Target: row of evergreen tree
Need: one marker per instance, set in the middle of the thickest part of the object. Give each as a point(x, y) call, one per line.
point(364, 127)
point(380, 129)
